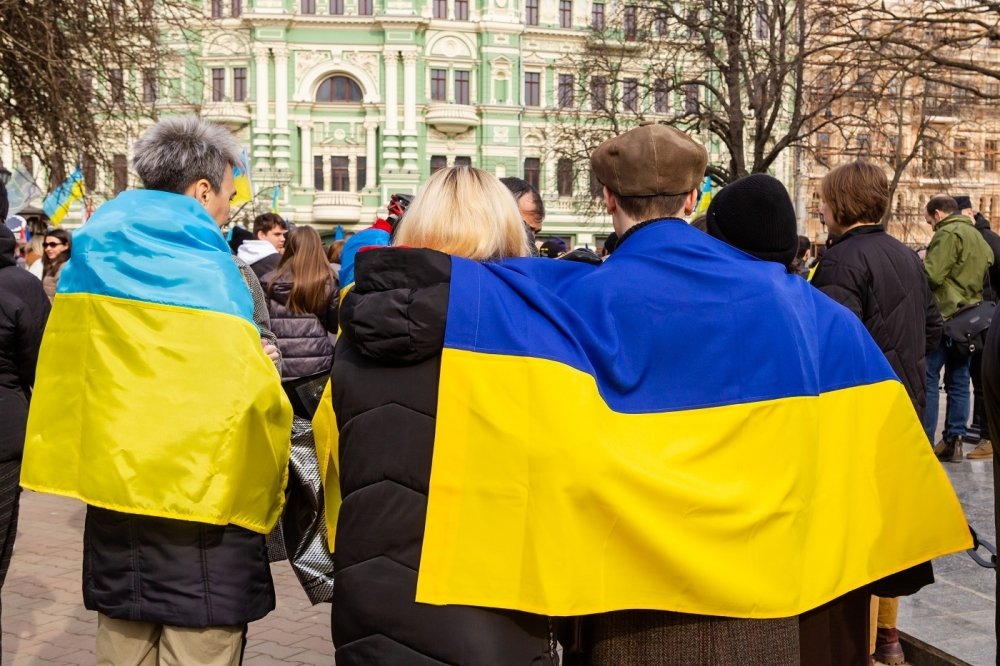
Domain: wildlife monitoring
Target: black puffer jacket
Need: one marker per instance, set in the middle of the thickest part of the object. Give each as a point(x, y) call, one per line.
point(24, 309)
point(385, 383)
point(991, 285)
point(882, 282)
point(302, 338)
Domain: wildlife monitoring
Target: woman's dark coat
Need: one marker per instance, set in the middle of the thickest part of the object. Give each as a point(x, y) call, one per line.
point(385, 384)
point(24, 309)
point(303, 338)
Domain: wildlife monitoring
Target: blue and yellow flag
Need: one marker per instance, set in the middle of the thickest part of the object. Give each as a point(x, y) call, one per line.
point(57, 204)
point(682, 428)
point(705, 198)
point(241, 180)
point(154, 396)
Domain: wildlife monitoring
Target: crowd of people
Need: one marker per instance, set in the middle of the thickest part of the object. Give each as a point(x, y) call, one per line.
point(528, 461)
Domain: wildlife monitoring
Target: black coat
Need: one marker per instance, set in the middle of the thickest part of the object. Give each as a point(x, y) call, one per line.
point(24, 309)
point(991, 286)
point(174, 572)
point(385, 383)
point(883, 283)
point(302, 338)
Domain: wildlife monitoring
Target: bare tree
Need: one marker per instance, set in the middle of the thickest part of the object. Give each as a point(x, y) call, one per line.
point(74, 74)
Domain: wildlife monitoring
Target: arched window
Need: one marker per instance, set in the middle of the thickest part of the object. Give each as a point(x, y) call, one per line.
point(339, 89)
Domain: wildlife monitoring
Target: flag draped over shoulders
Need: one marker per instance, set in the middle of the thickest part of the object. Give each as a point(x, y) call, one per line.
point(682, 428)
point(154, 396)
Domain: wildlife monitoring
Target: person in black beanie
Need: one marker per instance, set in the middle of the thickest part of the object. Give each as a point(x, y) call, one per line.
point(755, 214)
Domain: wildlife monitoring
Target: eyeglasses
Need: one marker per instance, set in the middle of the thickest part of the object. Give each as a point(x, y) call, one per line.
point(53, 244)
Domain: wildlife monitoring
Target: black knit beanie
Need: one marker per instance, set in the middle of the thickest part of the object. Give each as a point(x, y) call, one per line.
point(755, 214)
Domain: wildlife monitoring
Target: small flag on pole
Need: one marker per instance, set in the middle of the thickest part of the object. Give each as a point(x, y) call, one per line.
point(706, 196)
point(57, 204)
point(274, 198)
point(338, 233)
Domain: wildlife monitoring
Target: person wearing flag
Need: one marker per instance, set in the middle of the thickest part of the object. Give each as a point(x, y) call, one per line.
point(157, 404)
point(710, 475)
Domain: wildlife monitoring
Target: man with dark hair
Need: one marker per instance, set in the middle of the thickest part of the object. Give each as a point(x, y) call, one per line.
point(956, 262)
point(263, 252)
point(977, 431)
point(529, 202)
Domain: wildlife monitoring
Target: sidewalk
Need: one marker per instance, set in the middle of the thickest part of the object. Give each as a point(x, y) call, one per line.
point(44, 621)
point(956, 614)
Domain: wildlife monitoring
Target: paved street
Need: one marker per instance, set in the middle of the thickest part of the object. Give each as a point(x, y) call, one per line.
point(44, 621)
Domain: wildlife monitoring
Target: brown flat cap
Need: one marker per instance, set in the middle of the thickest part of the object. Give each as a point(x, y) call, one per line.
point(649, 160)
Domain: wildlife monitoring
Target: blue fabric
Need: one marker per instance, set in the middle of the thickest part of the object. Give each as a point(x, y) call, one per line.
point(578, 314)
point(370, 237)
point(956, 384)
point(156, 247)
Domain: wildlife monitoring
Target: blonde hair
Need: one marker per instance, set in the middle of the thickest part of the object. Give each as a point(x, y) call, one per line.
point(466, 212)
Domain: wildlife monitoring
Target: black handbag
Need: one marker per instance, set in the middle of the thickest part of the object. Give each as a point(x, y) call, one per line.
point(966, 330)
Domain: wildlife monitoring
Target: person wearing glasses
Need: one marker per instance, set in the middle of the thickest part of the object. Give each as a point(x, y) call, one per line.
point(57, 247)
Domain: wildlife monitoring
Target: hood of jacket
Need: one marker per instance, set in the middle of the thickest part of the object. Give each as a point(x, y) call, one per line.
point(252, 251)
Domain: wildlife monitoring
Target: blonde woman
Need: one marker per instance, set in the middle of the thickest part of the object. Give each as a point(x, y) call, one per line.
point(385, 381)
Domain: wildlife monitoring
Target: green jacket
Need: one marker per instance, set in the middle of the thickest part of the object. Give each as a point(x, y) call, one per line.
point(956, 264)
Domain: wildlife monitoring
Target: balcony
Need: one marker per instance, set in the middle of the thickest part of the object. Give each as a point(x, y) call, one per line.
point(451, 119)
point(336, 207)
point(231, 115)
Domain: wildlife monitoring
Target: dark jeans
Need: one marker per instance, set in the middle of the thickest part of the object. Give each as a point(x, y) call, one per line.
point(978, 404)
point(10, 497)
point(956, 385)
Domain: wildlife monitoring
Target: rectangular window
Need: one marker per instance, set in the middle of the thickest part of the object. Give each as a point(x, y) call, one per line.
point(564, 177)
point(763, 27)
point(149, 87)
point(308, 6)
point(440, 9)
point(236, 8)
point(990, 155)
point(630, 95)
point(218, 84)
point(361, 172)
point(240, 84)
point(87, 83)
point(596, 188)
point(565, 91)
point(461, 10)
point(340, 175)
point(691, 98)
point(597, 16)
point(864, 144)
point(366, 7)
point(438, 162)
point(532, 89)
point(630, 24)
point(461, 87)
point(598, 93)
point(660, 23)
point(216, 8)
point(822, 147)
point(533, 172)
point(336, 7)
point(89, 173)
point(318, 180)
point(565, 13)
point(531, 12)
point(119, 171)
point(961, 154)
point(117, 82)
point(661, 99)
point(463, 161)
point(439, 85)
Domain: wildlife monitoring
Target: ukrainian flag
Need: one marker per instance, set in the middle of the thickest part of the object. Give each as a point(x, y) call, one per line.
point(57, 204)
point(154, 396)
point(682, 428)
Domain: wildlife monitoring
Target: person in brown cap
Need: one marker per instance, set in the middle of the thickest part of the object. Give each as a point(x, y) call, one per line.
point(651, 177)
point(651, 172)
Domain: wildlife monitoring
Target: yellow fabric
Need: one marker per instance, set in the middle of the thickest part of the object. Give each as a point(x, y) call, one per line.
point(76, 192)
point(158, 410)
point(761, 510)
point(327, 437)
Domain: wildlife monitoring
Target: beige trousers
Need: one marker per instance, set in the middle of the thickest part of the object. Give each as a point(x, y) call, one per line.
point(883, 616)
point(127, 643)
